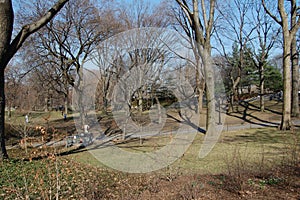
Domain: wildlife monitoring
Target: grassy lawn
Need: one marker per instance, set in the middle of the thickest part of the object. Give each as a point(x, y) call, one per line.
point(248, 149)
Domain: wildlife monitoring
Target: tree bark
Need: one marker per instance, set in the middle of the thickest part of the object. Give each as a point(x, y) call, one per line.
point(4, 154)
point(158, 109)
point(80, 93)
point(286, 112)
point(66, 98)
point(140, 100)
point(287, 37)
point(295, 69)
point(9, 111)
point(200, 84)
point(6, 26)
point(200, 88)
point(261, 86)
point(235, 93)
point(46, 104)
point(66, 104)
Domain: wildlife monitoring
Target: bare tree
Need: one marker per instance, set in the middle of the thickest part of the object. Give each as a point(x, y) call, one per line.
point(67, 42)
point(237, 28)
point(109, 73)
point(266, 37)
point(8, 48)
point(288, 34)
point(203, 32)
point(139, 52)
point(179, 16)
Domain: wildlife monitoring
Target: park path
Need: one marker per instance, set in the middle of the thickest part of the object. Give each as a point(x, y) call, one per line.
point(99, 137)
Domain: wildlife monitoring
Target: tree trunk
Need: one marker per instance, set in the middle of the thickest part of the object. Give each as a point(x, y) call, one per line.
point(66, 98)
point(286, 112)
point(200, 87)
point(2, 116)
point(6, 27)
point(9, 111)
point(105, 104)
point(81, 108)
point(140, 101)
point(261, 86)
point(295, 78)
point(46, 109)
point(200, 90)
point(200, 100)
point(66, 104)
point(158, 109)
point(210, 96)
point(235, 92)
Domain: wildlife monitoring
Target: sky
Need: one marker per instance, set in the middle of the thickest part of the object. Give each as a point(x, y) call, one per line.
point(18, 3)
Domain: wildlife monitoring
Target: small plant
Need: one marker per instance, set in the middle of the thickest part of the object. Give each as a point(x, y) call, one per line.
point(251, 182)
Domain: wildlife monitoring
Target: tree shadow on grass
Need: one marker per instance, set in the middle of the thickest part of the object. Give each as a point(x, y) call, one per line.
point(268, 109)
point(187, 121)
point(262, 136)
point(246, 115)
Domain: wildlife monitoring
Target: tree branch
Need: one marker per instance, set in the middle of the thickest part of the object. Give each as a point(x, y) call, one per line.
point(269, 13)
point(186, 10)
point(28, 29)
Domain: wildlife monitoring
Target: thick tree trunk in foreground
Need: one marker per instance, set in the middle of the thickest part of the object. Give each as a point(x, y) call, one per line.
point(6, 26)
point(288, 34)
point(286, 112)
point(2, 116)
point(8, 50)
point(295, 78)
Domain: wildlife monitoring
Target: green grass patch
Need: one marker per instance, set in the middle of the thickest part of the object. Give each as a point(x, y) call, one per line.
point(248, 149)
